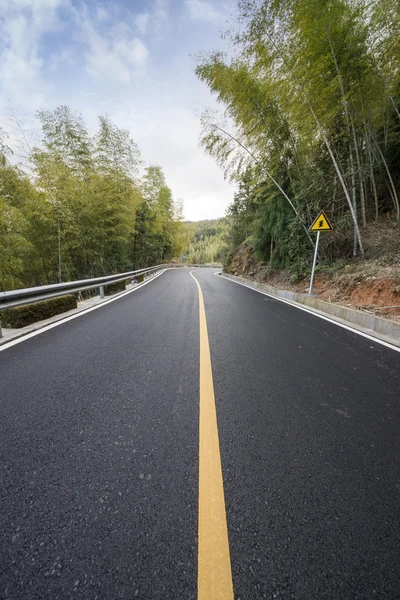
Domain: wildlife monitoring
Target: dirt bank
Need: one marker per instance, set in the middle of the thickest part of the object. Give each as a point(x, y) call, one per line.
point(369, 285)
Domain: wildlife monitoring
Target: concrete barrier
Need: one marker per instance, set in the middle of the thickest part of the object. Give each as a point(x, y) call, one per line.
point(383, 329)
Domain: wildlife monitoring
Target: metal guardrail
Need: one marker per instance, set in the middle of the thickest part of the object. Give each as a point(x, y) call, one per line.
point(45, 292)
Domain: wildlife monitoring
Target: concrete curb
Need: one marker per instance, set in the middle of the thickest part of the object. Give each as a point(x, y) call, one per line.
point(383, 329)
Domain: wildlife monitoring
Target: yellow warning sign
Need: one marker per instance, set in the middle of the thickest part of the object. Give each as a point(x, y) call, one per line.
point(321, 223)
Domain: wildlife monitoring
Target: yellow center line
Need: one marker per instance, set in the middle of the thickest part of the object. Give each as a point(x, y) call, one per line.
point(214, 564)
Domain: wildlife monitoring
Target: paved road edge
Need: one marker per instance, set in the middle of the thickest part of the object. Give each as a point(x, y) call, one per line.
point(45, 325)
point(381, 330)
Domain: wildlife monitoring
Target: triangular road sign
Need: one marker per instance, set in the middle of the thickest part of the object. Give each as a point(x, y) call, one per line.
point(321, 223)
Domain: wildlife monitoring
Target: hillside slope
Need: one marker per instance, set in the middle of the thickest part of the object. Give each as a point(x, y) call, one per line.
point(205, 240)
point(372, 284)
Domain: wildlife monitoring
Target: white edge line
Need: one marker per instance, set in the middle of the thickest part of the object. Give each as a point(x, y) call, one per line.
point(316, 314)
point(85, 311)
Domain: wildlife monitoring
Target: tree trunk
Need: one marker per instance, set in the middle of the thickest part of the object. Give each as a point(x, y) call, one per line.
point(392, 186)
point(271, 250)
point(385, 85)
point(59, 244)
point(360, 177)
point(354, 198)
point(334, 197)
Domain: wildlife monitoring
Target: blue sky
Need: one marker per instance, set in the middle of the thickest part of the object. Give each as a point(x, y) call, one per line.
point(131, 59)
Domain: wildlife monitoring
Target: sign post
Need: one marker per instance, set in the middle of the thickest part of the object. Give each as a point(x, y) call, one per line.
point(313, 265)
point(321, 223)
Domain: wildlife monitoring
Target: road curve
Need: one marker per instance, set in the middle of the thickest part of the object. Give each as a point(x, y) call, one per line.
point(99, 441)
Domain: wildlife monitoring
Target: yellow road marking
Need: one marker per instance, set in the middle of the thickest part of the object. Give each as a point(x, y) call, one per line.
point(214, 565)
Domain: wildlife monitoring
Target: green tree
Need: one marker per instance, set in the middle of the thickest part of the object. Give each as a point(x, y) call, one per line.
point(310, 99)
point(83, 210)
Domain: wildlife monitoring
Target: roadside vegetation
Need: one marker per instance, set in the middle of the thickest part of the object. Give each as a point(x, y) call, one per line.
point(206, 241)
point(310, 120)
point(82, 205)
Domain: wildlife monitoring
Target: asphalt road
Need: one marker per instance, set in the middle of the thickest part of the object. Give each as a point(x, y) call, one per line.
point(99, 440)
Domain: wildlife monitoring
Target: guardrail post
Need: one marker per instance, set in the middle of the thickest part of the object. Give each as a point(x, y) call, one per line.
point(101, 288)
point(1, 333)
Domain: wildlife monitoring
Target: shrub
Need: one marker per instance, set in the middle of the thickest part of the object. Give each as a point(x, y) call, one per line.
point(113, 288)
point(20, 316)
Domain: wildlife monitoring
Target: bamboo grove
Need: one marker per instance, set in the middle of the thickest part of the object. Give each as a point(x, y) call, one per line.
point(79, 208)
point(311, 98)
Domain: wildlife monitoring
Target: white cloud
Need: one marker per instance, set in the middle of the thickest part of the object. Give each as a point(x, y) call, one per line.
point(141, 22)
point(159, 20)
point(154, 21)
point(101, 13)
point(34, 5)
point(136, 52)
point(22, 26)
point(117, 57)
point(201, 10)
point(38, 70)
point(169, 136)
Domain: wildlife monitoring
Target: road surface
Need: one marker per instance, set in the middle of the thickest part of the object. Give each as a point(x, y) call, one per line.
point(99, 438)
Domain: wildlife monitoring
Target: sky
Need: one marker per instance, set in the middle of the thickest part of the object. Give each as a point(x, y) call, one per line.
point(131, 59)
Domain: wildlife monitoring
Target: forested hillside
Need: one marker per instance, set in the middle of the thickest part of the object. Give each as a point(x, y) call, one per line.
point(311, 120)
point(78, 207)
point(206, 241)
